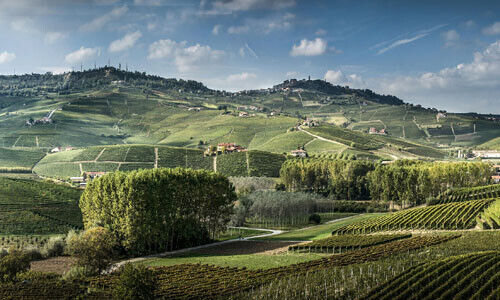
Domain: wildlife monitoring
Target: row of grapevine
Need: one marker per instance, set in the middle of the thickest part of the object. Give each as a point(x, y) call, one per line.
point(455, 215)
point(490, 218)
point(339, 243)
point(195, 281)
point(473, 193)
point(471, 276)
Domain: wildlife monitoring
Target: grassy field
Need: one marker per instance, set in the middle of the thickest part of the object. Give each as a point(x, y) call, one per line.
point(320, 231)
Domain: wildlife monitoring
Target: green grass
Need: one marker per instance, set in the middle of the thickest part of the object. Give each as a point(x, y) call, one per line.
point(234, 233)
point(317, 232)
point(249, 261)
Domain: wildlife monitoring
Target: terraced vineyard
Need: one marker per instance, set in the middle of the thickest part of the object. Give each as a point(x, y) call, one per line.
point(19, 161)
point(471, 276)
point(194, 281)
point(490, 217)
point(455, 215)
point(466, 194)
point(340, 243)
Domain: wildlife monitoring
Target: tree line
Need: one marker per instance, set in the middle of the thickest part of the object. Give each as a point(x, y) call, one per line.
point(404, 182)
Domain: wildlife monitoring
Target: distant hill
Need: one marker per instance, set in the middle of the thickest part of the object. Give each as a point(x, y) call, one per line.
point(330, 89)
point(109, 106)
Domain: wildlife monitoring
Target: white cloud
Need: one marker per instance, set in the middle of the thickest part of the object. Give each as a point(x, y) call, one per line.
point(458, 88)
point(320, 32)
point(470, 24)
point(402, 42)
point(55, 70)
point(309, 48)
point(24, 25)
point(337, 77)
point(99, 22)
point(82, 54)
point(230, 6)
point(241, 77)
point(186, 58)
point(451, 38)
point(238, 29)
point(52, 37)
point(494, 29)
point(148, 2)
point(6, 57)
point(292, 74)
point(127, 42)
point(216, 29)
point(246, 50)
point(264, 25)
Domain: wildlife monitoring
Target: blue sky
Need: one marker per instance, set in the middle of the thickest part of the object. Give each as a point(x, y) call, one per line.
point(443, 54)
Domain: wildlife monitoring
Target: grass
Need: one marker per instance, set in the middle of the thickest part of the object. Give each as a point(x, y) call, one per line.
point(249, 261)
point(234, 233)
point(318, 232)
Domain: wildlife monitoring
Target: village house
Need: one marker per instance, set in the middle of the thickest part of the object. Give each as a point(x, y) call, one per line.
point(61, 149)
point(486, 154)
point(374, 130)
point(310, 123)
point(229, 148)
point(243, 114)
point(496, 174)
point(440, 116)
point(195, 109)
point(299, 153)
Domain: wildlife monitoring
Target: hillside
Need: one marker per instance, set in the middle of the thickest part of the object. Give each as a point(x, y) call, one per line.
point(109, 106)
point(133, 157)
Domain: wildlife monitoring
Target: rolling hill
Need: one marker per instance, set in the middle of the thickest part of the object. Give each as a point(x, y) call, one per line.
point(108, 106)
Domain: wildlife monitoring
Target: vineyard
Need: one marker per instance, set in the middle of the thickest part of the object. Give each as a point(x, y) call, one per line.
point(127, 158)
point(18, 159)
point(36, 207)
point(343, 243)
point(455, 215)
point(194, 281)
point(466, 194)
point(471, 276)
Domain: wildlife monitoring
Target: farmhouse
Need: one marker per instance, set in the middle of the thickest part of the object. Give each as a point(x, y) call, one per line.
point(310, 123)
point(486, 154)
point(299, 153)
point(243, 114)
point(496, 174)
point(374, 130)
point(229, 148)
point(61, 149)
point(440, 116)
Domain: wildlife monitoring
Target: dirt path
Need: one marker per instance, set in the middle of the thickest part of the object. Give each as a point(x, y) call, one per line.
point(99, 155)
point(156, 157)
point(117, 265)
point(319, 137)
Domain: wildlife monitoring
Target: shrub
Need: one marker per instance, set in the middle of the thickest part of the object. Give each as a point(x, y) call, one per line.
point(314, 219)
point(54, 247)
point(93, 248)
point(135, 282)
point(33, 253)
point(12, 264)
point(78, 273)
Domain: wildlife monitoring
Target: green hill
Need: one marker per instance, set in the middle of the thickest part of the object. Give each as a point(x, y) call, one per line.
point(73, 163)
point(108, 106)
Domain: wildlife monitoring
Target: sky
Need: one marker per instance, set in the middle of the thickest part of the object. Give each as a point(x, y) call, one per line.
point(441, 54)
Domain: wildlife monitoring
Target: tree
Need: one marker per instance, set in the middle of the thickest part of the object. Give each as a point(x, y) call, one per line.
point(159, 209)
point(135, 282)
point(12, 264)
point(93, 248)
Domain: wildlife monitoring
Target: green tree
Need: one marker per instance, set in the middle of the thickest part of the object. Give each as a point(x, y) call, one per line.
point(135, 283)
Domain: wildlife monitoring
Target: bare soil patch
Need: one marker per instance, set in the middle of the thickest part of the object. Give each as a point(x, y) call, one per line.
point(57, 265)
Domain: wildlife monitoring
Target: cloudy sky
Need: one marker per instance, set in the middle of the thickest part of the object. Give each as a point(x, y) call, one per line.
point(443, 54)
